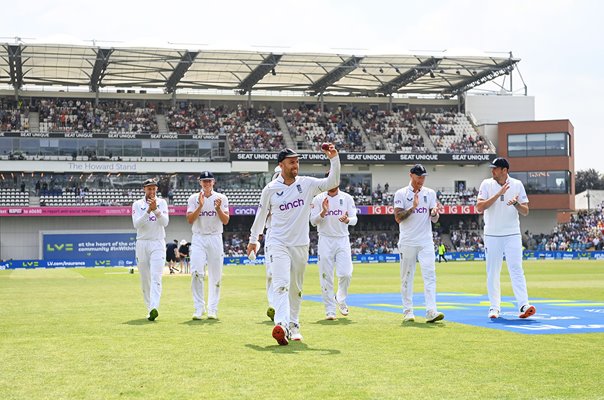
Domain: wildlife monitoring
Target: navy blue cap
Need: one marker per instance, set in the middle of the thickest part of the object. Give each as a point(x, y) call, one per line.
point(419, 170)
point(500, 162)
point(286, 153)
point(150, 182)
point(206, 175)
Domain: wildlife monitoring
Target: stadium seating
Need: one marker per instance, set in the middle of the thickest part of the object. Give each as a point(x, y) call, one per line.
point(394, 132)
point(453, 133)
point(13, 197)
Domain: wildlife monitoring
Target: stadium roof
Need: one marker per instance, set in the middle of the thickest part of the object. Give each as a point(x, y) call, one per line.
point(170, 69)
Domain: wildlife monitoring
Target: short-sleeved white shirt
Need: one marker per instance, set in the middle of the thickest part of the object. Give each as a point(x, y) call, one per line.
point(501, 219)
point(416, 229)
point(339, 205)
point(208, 222)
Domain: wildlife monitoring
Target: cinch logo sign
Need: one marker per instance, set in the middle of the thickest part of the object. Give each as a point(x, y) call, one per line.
point(292, 204)
point(207, 213)
point(335, 212)
point(60, 247)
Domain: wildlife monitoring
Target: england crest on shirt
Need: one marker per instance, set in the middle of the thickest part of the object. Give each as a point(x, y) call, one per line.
point(341, 202)
point(299, 188)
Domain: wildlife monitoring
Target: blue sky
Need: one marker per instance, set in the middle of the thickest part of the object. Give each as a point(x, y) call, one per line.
point(560, 42)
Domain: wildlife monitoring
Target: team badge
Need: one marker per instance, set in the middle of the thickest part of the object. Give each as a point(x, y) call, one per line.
point(425, 199)
point(299, 188)
point(341, 202)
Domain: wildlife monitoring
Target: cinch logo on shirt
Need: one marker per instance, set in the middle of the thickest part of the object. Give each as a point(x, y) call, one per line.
point(334, 212)
point(152, 217)
point(207, 213)
point(292, 204)
point(421, 210)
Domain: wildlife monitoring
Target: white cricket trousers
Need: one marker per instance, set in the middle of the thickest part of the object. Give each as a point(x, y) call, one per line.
point(425, 255)
point(269, 277)
point(334, 252)
point(206, 249)
point(288, 264)
point(150, 259)
point(495, 247)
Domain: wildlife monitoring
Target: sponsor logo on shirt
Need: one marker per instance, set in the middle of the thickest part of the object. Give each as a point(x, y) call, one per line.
point(292, 204)
point(420, 210)
point(334, 212)
point(208, 213)
point(280, 193)
point(152, 217)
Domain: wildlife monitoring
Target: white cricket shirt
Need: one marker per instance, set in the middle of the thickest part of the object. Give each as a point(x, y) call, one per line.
point(289, 207)
point(150, 226)
point(339, 204)
point(208, 222)
point(501, 219)
point(416, 229)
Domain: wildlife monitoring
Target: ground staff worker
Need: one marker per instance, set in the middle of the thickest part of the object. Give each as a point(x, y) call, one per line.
point(502, 198)
point(150, 217)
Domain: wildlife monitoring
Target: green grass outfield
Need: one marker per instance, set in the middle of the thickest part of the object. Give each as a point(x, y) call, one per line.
point(81, 334)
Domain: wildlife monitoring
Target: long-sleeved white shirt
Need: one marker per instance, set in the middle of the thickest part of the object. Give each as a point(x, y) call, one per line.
point(208, 222)
point(150, 226)
point(339, 205)
point(289, 207)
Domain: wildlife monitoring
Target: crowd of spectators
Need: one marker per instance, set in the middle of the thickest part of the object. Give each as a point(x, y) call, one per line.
point(248, 129)
point(13, 116)
point(452, 132)
point(311, 128)
point(584, 231)
point(115, 116)
point(392, 131)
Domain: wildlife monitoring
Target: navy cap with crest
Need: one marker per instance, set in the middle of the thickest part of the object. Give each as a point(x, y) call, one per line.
point(150, 182)
point(500, 162)
point(419, 170)
point(286, 153)
point(206, 175)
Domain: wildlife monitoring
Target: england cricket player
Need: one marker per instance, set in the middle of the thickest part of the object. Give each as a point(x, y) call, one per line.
point(332, 212)
point(270, 311)
point(207, 212)
point(502, 198)
point(414, 207)
point(150, 217)
point(288, 199)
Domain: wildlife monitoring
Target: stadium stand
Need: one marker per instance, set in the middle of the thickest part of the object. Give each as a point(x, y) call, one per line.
point(453, 133)
point(13, 116)
point(309, 129)
point(74, 115)
point(394, 132)
point(14, 197)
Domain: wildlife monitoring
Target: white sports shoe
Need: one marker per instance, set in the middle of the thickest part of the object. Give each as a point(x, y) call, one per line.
point(212, 315)
point(343, 309)
point(408, 316)
point(330, 316)
point(493, 313)
point(294, 331)
point(526, 311)
point(433, 316)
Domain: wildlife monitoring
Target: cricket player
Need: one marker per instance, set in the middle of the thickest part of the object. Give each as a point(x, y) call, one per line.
point(415, 206)
point(150, 218)
point(332, 212)
point(207, 212)
point(288, 199)
point(502, 198)
point(270, 311)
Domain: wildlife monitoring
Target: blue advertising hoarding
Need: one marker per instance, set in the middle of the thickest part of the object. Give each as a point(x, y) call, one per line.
point(102, 248)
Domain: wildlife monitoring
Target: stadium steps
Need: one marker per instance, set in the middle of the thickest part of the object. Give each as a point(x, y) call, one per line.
point(427, 141)
point(34, 122)
point(287, 137)
point(368, 143)
point(34, 201)
point(446, 239)
point(162, 125)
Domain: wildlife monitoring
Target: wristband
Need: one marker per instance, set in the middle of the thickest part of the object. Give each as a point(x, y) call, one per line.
point(515, 203)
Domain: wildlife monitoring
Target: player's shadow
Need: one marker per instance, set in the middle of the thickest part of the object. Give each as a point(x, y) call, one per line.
point(335, 322)
point(292, 348)
point(270, 323)
point(423, 325)
point(141, 321)
point(199, 322)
